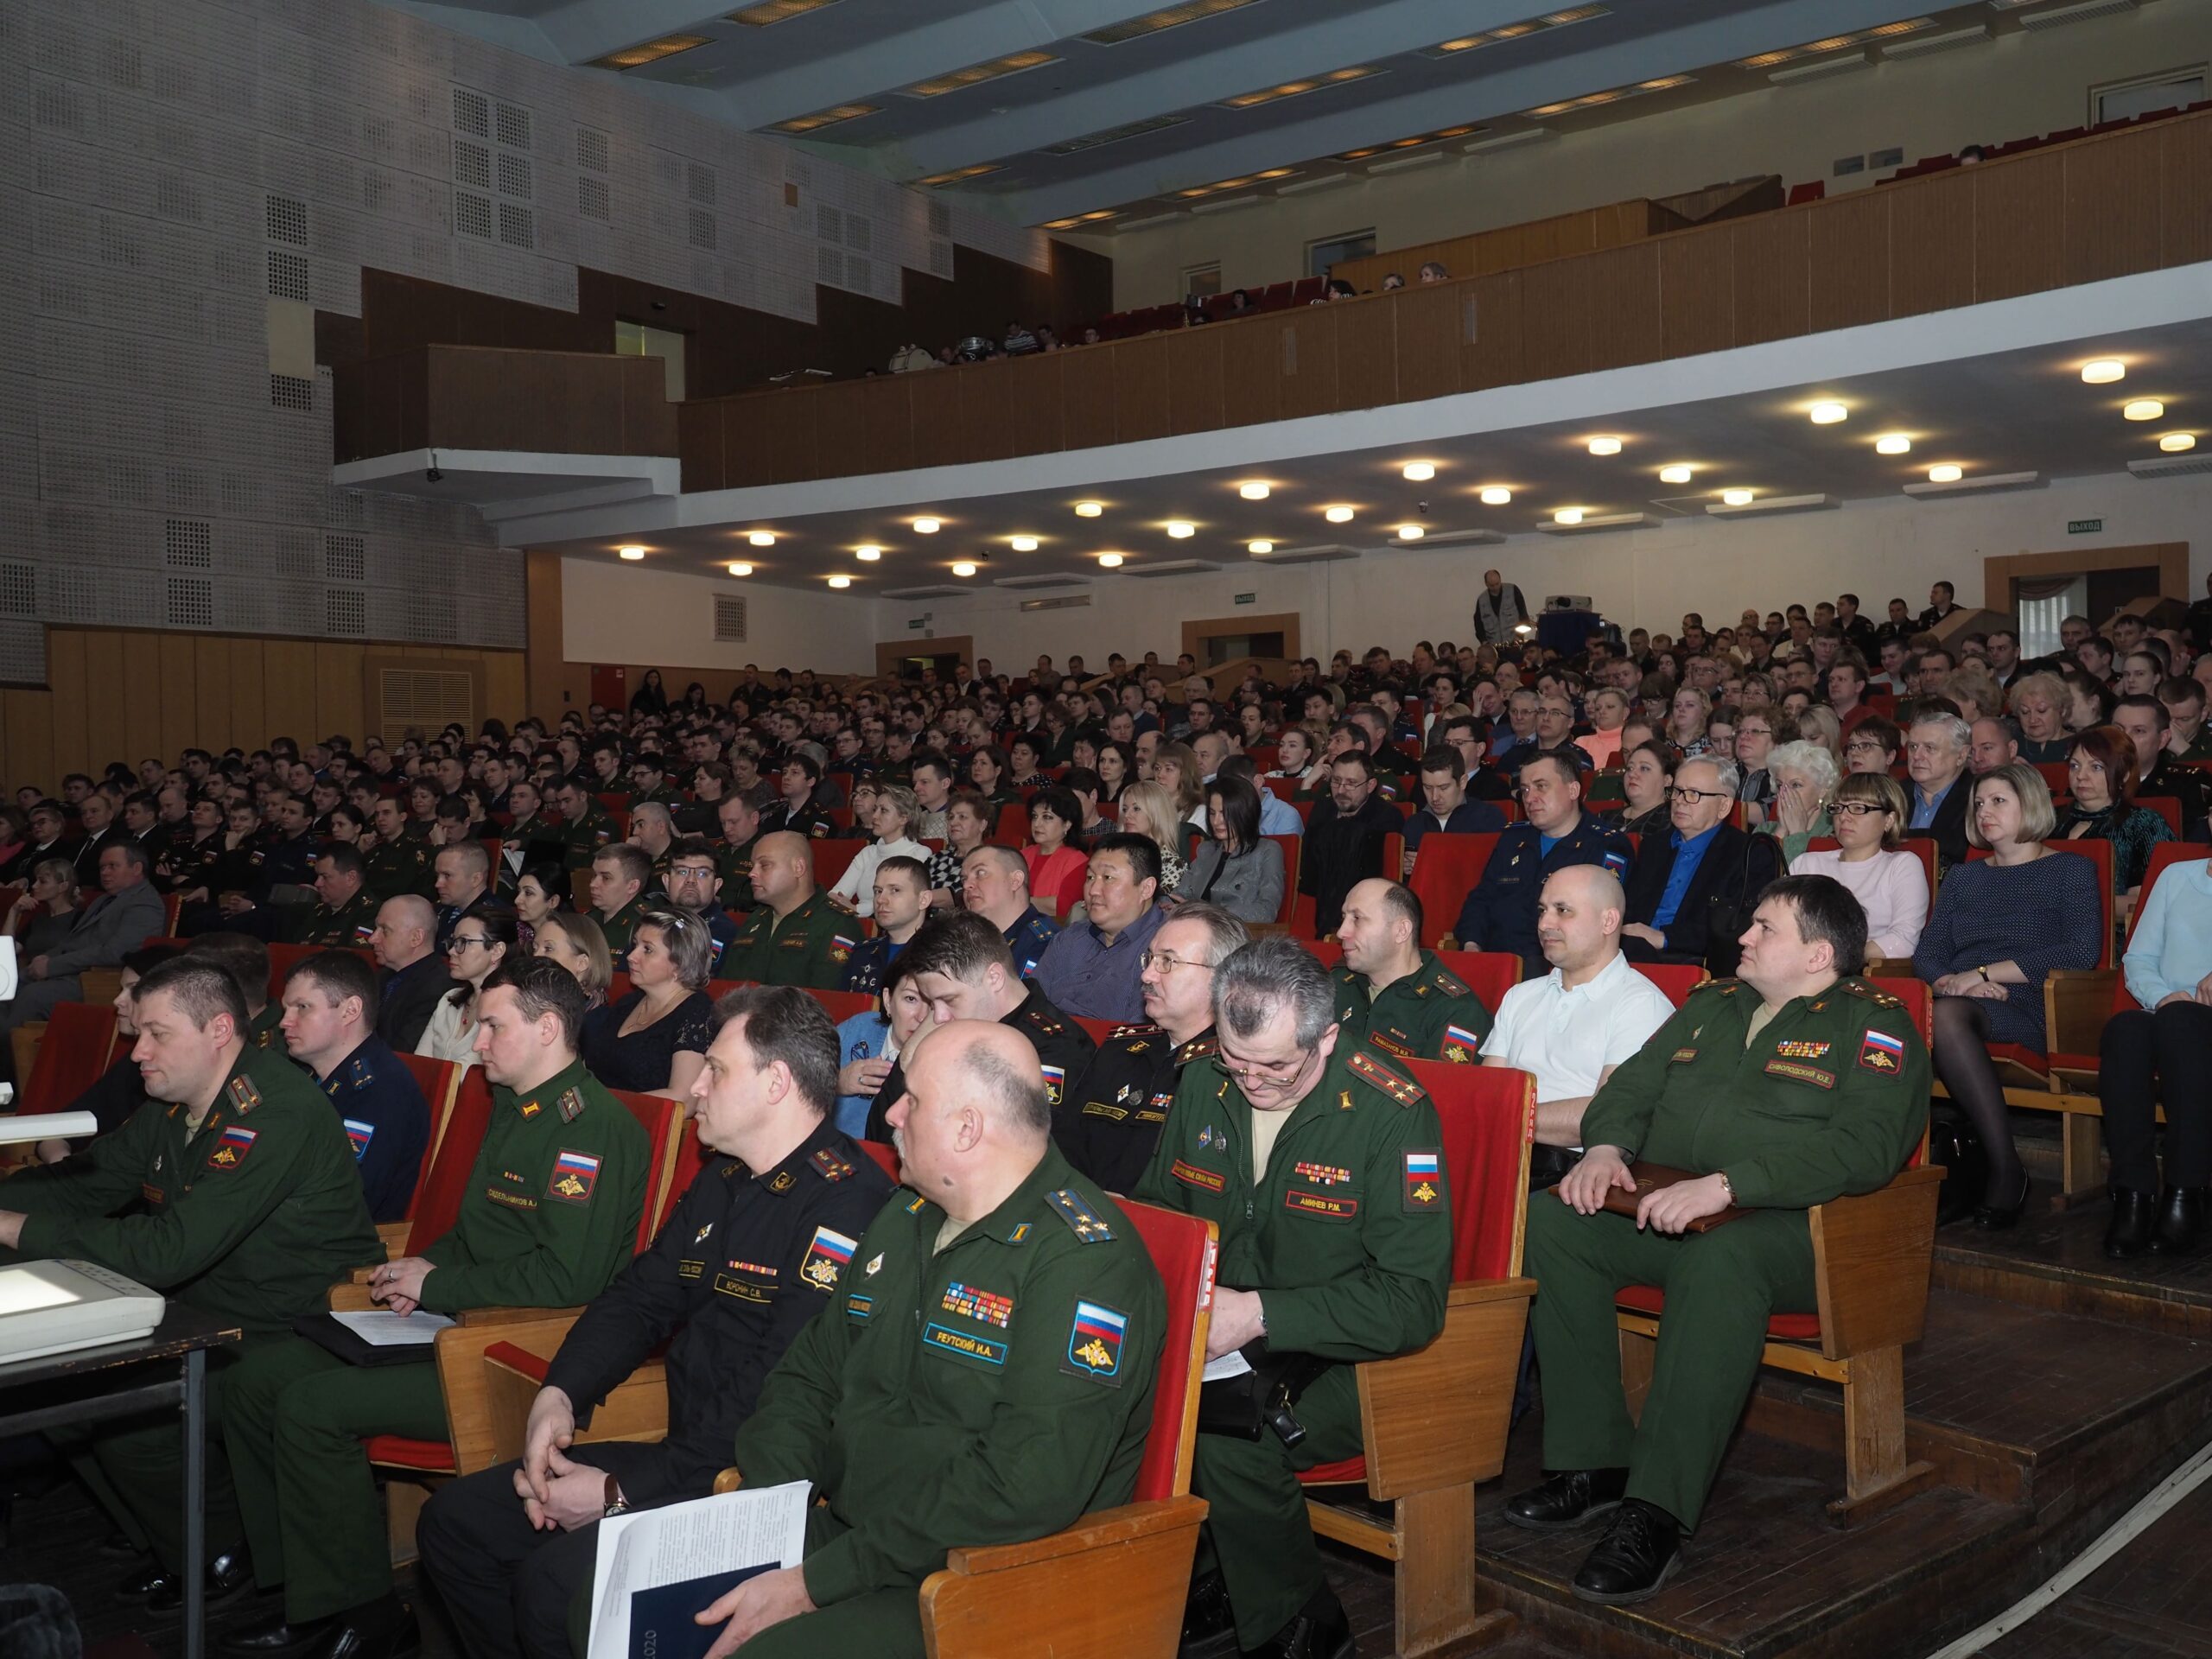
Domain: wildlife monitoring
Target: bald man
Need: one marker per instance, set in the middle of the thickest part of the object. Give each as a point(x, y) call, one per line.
point(794, 935)
point(404, 943)
point(984, 1374)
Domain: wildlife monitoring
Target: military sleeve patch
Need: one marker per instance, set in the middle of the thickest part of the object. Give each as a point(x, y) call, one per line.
point(859, 1308)
point(831, 1166)
point(1070, 1207)
point(827, 1258)
point(1424, 1179)
point(230, 1150)
point(244, 1095)
point(572, 1104)
point(1617, 863)
point(360, 1134)
point(1879, 1052)
point(1205, 1181)
point(1403, 1091)
point(1056, 1083)
point(575, 1175)
point(1095, 1341)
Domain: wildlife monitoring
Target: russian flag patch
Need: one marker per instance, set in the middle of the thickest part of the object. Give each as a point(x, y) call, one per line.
point(827, 1258)
point(1056, 1083)
point(575, 1174)
point(360, 1134)
point(1881, 1053)
point(230, 1150)
point(1094, 1343)
point(1424, 1182)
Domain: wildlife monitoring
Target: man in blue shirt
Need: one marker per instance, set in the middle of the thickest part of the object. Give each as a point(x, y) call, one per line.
point(1094, 968)
point(1445, 805)
point(1691, 895)
point(1936, 752)
point(1277, 815)
point(330, 1028)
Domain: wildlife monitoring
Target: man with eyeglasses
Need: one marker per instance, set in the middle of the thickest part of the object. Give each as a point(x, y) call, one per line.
point(1500, 913)
point(1690, 895)
point(1109, 1120)
point(1935, 757)
point(695, 885)
point(1322, 1165)
point(1344, 838)
point(1391, 994)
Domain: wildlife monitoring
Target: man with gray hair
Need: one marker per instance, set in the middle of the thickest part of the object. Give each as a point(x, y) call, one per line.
point(1691, 894)
point(414, 974)
point(1935, 751)
point(1323, 1166)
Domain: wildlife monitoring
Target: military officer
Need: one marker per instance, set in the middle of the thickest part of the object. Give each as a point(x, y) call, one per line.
point(1392, 995)
point(1500, 914)
point(245, 959)
point(759, 1242)
point(801, 811)
point(1110, 1119)
point(695, 887)
point(741, 826)
point(900, 890)
point(794, 936)
point(550, 1215)
point(1323, 1167)
point(585, 826)
point(649, 782)
point(621, 875)
point(1792, 1085)
point(994, 882)
point(345, 912)
point(329, 1022)
point(397, 863)
point(984, 1374)
point(232, 1190)
point(962, 971)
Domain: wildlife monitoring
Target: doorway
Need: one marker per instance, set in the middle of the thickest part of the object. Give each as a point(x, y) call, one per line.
point(905, 660)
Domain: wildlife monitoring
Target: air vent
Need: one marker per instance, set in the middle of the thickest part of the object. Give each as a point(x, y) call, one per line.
point(188, 544)
point(18, 590)
point(472, 113)
point(591, 149)
point(345, 612)
point(935, 590)
point(1320, 553)
point(510, 122)
point(288, 220)
point(1929, 45)
point(345, 558)
point(730, 619)
point(191, 602)
point(592, 199)
point(1987, 483)
point(1069, 602)
point(2063, 16)
point(2170, 467)
point(1773, 504)
point(1113, 135)
point(518, 226)
point(424, 699)
point(829, 223)
point(471, 215)
point(1043, 579)
point(292, 393)
point(1437, 538)
point(287, 275)
point(700, 229)
point(940, 219)
point(516, 177)
point(1603, 522)
point(1170, 567)
point(472, 166)
point(699, 183)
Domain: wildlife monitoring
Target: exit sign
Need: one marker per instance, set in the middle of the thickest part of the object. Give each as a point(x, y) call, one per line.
point(917, 625)
point(1247, 599)
point(2085, 526)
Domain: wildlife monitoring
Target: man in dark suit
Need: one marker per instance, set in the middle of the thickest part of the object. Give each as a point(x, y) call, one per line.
point(127, 913)
point(1936, 753)
point(1691, 893)
point(1344, 838)
point(415, 972)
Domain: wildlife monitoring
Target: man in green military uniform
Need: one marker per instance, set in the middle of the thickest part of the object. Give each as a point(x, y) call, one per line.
point(345, 912)
point(245, 959)
point(1792, 1085)
point(1323, 1167)
point(649, 782)
point(794, 936)
point(550, 1213)
point(1393, 995)
point(983, 1375)
point(620, 874)
point(232, 1190)
point(585, 827)
point(397, 863)
point(741, 826)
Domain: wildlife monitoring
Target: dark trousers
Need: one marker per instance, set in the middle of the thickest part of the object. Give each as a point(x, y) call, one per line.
point(508, 1586)
point(2174, 1046)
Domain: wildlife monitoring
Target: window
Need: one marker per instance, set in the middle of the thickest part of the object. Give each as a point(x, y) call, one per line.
point(1202, 282)
point(636, 340)
point(1334, 249)
point(2169, 89)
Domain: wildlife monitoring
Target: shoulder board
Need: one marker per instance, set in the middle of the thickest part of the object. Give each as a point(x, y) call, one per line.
point(1450, 984)
point(1725, 986)
point(1198, 1048)
point(1037, 1018)
point(830, 1166)
point(572, 1104)
point(244, 1095)
point(1120, 1032)
point(1402, 1090)
point(1069, 1206)
point(1856, 987)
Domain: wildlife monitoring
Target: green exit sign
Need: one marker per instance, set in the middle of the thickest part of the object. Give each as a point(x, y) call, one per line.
point(1247, 599)
point(2085, 526)
point(917, 625)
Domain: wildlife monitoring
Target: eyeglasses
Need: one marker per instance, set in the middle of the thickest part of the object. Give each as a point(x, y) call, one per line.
point(1683, 793)
point(1856, 809)
point(1275, 1076)
point(457, 943)
point(1159, 962)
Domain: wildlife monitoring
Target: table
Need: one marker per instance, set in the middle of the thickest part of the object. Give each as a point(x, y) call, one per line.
point(184, 1335)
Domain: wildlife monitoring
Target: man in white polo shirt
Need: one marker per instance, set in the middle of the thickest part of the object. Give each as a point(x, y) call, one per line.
point(1573, 1025)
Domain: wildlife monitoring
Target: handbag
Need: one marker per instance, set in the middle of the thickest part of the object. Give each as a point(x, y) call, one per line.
point(1248, 1406)
point(1955, 1144)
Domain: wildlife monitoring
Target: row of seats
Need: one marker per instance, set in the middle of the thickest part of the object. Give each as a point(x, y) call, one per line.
point(1928, 164)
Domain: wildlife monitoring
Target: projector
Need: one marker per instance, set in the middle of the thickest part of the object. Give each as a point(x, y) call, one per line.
point(1569, 602)
point(54, 1307)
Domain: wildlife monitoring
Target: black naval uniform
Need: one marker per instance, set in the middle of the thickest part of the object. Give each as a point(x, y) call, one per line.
point(745, 1261)
point(387, 1121)
point(1110, 1119)
point(1063, 1047)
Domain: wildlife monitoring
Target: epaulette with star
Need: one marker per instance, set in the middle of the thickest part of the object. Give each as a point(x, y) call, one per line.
point(1204, 1047)
point(1044, 1022)
point(1449, 983)
point(1368, 1069)
point(244, 1095)
point(1857, 987)
point(1120, 1032)
point(1082, 1222)
point(830, 1166)
point(1725, 987)
point(572, 1104)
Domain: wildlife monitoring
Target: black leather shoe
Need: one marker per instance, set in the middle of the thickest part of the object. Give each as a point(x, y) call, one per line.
point(271, 1636)
point(2181, 1222)
point(1568, 1500)
point(141, 1582)
point(1321, 1630)
point(2129, 1235)
point(1209, 1625)
point(384, 1629)
point(229, 1576)
point(1996, 1217)
point(1637, 1555)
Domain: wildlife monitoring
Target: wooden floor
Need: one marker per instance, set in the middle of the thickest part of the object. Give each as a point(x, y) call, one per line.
point(2151, 1599)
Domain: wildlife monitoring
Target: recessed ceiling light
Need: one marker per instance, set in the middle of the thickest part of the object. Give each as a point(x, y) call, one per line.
point(1893, 443)
point(1605, 446)
point(1180, 531)
point(1419, 472)
point(1089, 509)
point(963, 569)
point(1736, 498)
point(1338, 515)
point(926, 526)
point(741, 570)
point(1259, 547)
point(1497, 495)
point(632, 553)
point(1110, 561)
point(1676, 474)
point(1828, 413)
point(1567, 516)
point(1410, 532)
point(1023, 544)
point(762, 538)
point(840, 582)
point(1945, 473)
point(867, 555)
point(1254, 491)
point(2174, 442)
point(2145, 409)
point(2104, 371)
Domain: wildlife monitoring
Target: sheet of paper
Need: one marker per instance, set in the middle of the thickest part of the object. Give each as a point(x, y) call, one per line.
point(382, 1328)
point(1231, 1364)
point(659, 1567)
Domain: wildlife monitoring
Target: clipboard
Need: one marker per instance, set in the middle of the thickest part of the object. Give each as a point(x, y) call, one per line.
point(1649, 1178)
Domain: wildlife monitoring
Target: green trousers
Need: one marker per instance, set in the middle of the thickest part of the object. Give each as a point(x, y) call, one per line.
point(1257, 1531)
point(295, 1417)
point(1720, 1287)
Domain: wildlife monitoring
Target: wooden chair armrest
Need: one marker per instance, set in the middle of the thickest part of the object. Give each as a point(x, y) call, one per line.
point(1871, 1256)
point(394, 1235)
point(483, 1316)
point(2077, 1002)
point(1437, 1417)
point(729, 1481)
point(352, 1296)
point(473, 1405)
point(1097, 1530)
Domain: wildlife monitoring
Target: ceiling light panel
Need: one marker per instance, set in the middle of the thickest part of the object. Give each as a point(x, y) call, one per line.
point(961, 175)
point(1300, 88)
point(1152, 22)
point(1612, 95)
point(977, 74)
point(1417, 139)
point(777, 11)
point(637, 57)
point(1550, 20)
point(1090, 218)
point(1835, 43)
point(830, 118)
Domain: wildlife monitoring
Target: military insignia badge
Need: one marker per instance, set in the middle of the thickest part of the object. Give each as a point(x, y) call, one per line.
point(1072, 1209)
point(1056, 1083)
point(1324, 1175)
point(360, 1134)
point(1424, 1179)
point(530, 1108)
point(1205, 1181)
point(1881, 1053)
point(572, 1104)
point(230, 1150)
point(874, 1263)
point(841, 947)
point(860, 1307)
point(244, 1095)
point(1403, 1091)
point(1205, 1136)
point(1802, 1051)
point(1616, 863)
point(700, 1237)
point(827, 1258)
point(1095, 1340)
point(782, 1181)
point(986, 1306)
point(1466, 1043)
point(575, 1174)
point(832, 1167)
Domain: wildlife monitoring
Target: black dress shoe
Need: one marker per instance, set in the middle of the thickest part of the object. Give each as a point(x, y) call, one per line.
point(2181, 1222)
point(229, 1576)
point(142, 1581)
point(1637, 1555)
point(1209, 1624)
point(270, 1636)
point(384, 1629)
point(2129, 1235)
point(1568, 1500)
point(1321, 1630)
point(1996, 1217)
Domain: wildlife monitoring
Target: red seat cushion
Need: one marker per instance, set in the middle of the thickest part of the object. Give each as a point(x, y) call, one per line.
point(1345, 1472)
point(2027, 1057)
point(432, 1457)
point(1780, 1328)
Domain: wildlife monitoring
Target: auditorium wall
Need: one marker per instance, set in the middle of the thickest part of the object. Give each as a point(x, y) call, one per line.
point(2017, 85)
point(636, 616)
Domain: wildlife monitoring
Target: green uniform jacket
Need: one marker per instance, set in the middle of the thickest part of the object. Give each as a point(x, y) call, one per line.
point(621, 925)
point(1348, 1233)
point(988, 1394)
point(586, 836)
point(1828, 1099)
point(552, 1210)
point(808, 948)
point(265, 1031)
point(252, 1217)
point(398, 868)
point(1430, 1014)
point(351, 923)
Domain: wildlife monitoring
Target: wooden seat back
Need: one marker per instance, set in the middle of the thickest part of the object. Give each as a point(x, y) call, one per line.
point(74, 1051)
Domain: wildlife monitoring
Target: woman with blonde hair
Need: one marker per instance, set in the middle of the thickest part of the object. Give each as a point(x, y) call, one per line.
point(1974, 688)
point(1148, 810)
point(1805, 777)
point(1818, 724)
point(577, 942)
point(892, 817)
point(1175, 768)
point(2040, 704)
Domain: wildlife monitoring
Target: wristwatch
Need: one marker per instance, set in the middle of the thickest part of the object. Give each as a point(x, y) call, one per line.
point(1727, 1185)
point(616, 1503)
point(1984, 971)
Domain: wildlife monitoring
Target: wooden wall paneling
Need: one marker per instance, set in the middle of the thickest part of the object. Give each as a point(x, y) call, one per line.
point(1931, 254)
point(544, 659)
point(181, 718)
point(699, 444)
point(1428, 338)
point(1492, 352)
point(747, 455)
point(26, 731)
point(1367, 353)
point(1504, 249)
point(1697, 295)
point(1847, 244)
point(250, 699)
point(1309, 366)
point(1251, 367)
point(2019, 221)
point(1555, 300)
point(505, 689)
point(211, 675)
point(1773, 299)
point(987, 391)
point(65, 676)
point(142, 694)
point(794, 457)
point(2185, 191)
point(2113, 193)
point(938, 434)
point(887, 421)
point(1195, 401)
point(1087, 395)
point(1623, 295)
point(290, 686)
point(1141, 404)
point(340, 695)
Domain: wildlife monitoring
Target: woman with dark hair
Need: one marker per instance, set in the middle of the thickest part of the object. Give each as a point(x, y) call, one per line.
point(1057, 865)
point(1647, 778)
point(649, 698)
point(345, 824)
point(481, 940)
point(987, 770)
point(1022, 759)
point(1236, 868)
point(2088, 700)
point(1117, 770)
point(695, 698)
point(2100, 773)
point(654, 1040)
